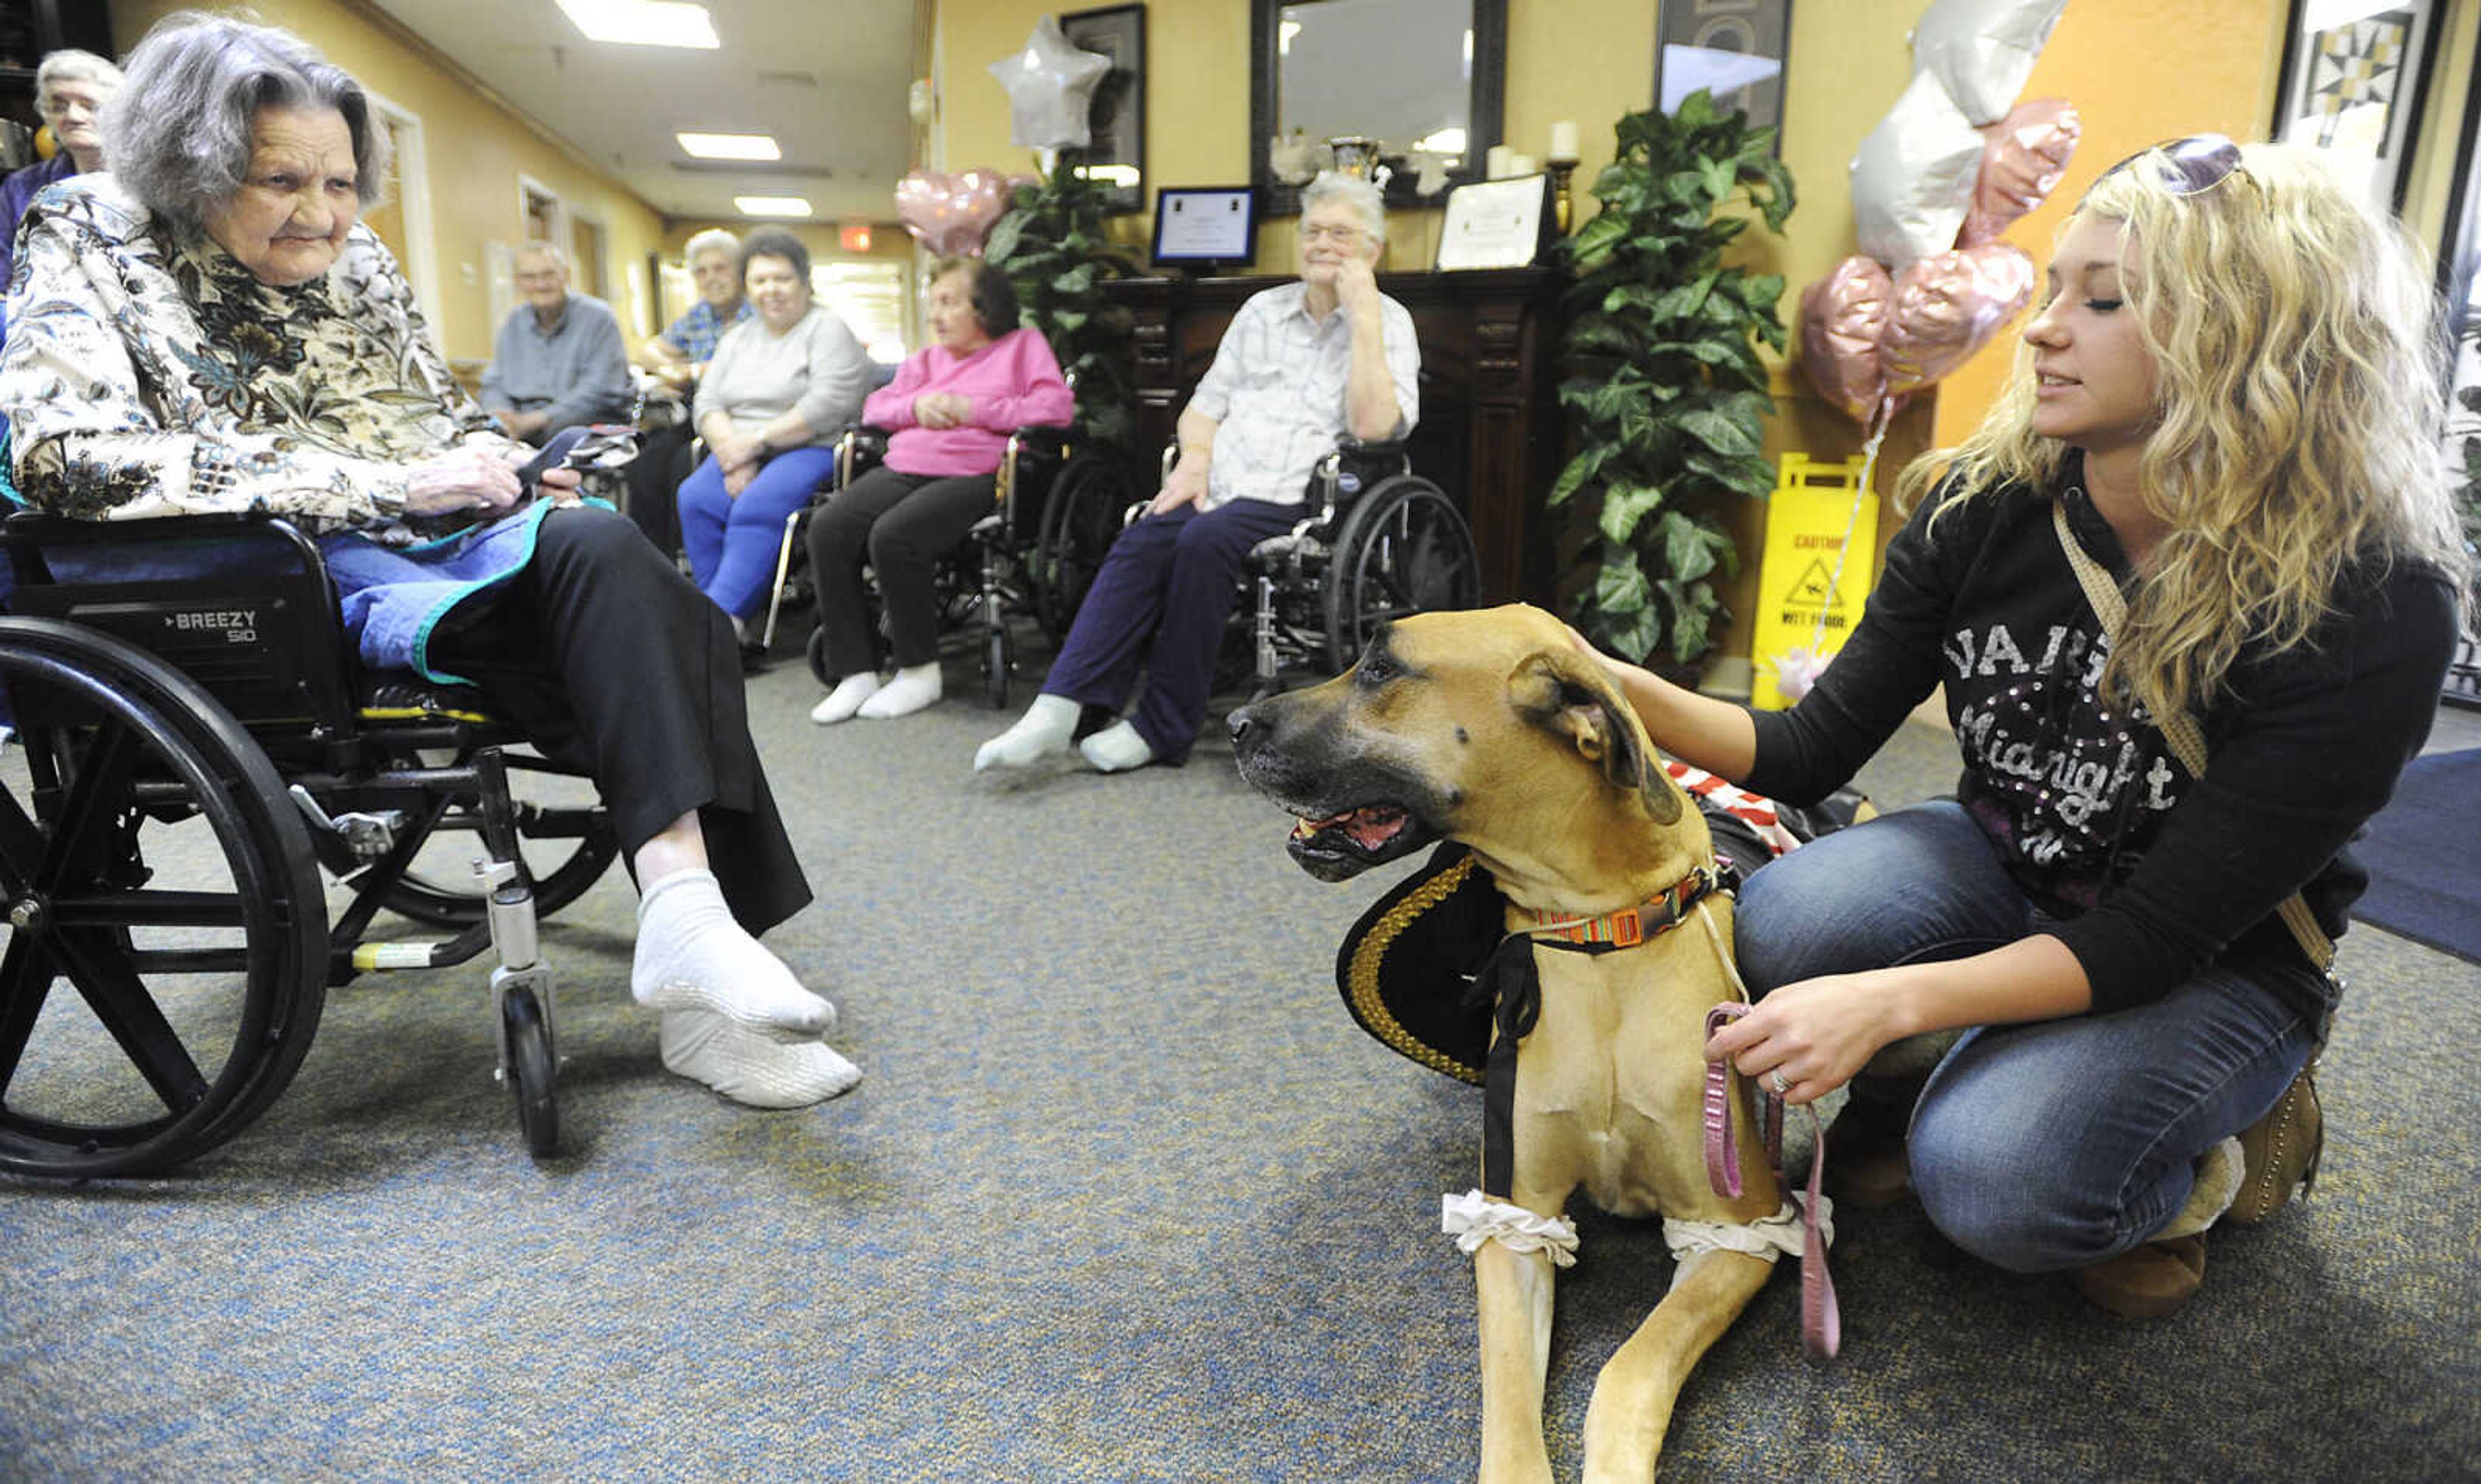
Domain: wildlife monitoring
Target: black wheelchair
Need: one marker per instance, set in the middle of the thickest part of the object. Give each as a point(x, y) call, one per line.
point(1379, 542)
point(1054, 511)
point(194, 751)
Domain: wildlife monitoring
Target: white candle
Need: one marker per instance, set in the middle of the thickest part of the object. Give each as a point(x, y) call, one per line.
point(1495, 162)
point(1522, 164)
point(1563, 140)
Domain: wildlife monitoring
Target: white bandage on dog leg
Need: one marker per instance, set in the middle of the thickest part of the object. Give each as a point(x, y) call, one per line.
point(1777, 1236)
point(1473, 1218)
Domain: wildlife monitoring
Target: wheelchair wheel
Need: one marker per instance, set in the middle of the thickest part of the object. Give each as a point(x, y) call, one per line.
point(1405, 548)
point(562, 831)
point(531, 1070)
point(153, 868)
point(1078, 524)
point(995, 666)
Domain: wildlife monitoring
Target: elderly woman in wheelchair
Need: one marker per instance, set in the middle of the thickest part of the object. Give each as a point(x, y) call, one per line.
point(1303, 367)
point(208, 330)
point(949, 414)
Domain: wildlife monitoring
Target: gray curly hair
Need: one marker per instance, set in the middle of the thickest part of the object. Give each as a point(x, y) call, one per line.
point(178, 132)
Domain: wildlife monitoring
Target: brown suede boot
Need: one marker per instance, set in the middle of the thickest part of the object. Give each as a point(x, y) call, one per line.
point(2279, 1152)
point(2150, 1281)
point(2159, 1277)
point(1866, 1167)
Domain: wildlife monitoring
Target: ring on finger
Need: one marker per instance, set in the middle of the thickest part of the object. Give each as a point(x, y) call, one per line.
point(1775, 1079)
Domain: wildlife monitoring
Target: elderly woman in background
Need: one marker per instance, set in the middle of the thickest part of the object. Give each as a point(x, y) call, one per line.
point(950, 410)
point(1301, 366)
point(206, 329)
point(676, 358)
point(781, 387)
point(71, 89)
point(680, 353)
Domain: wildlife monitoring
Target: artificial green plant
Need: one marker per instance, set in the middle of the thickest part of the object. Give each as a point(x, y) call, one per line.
point(1660, 375)
point(1052, 247)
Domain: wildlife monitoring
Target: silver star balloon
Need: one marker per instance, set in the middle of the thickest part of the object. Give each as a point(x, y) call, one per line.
point(1051, 86)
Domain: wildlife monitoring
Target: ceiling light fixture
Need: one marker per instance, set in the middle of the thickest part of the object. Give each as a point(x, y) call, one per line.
point(771, 205)
point(730, 146)
point(643, 22)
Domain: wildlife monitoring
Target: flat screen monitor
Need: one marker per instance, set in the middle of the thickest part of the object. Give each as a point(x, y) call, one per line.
point(1205, 227)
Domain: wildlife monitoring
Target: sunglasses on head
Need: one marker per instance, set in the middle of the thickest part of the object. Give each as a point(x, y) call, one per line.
point(2186, 167)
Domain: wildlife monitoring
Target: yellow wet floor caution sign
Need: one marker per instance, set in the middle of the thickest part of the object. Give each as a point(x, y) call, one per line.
point(1820, 559)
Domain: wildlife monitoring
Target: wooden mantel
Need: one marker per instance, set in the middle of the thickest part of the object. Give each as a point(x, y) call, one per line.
point(1490, 427)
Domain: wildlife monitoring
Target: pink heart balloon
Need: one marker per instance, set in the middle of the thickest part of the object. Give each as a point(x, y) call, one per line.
point(1844, 315)
point(951, 214)
point(2028, 152)
point(1949, 306)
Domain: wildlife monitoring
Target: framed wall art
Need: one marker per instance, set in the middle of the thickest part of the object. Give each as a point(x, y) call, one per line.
point(2354, 73)
point(1736, 51)
point(1117, 155)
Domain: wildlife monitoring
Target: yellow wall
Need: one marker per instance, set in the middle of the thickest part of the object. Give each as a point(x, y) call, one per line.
point(2220, 78)
point(2138, 71)
point(477, 150)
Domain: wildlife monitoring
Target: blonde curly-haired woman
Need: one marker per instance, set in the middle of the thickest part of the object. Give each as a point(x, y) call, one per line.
point(2232, 398)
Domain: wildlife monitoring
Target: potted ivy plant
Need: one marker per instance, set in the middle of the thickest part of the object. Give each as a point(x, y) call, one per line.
point(1052, 245)
point(1660, 376)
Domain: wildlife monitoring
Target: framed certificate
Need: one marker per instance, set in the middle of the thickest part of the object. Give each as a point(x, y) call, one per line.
point(1205, 227)
point(1494, 223)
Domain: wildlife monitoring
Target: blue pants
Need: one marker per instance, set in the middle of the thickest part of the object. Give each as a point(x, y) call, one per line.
point(1168, 579)
point(2037, 1147)
point(732, 542)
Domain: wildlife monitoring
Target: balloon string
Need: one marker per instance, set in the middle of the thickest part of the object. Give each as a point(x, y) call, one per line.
point(1879, 418)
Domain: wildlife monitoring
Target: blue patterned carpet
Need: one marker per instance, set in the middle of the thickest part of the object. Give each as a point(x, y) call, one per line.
point(1124, 1196)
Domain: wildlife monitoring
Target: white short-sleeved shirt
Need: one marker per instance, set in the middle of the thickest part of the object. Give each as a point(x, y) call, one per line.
point(1276, 391)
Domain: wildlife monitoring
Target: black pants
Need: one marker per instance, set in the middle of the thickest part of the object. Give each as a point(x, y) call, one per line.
point(608, 659)
point(654, 480)
point(901, 523)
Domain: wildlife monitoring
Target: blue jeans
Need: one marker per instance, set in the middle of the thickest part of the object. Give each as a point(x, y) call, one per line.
point(732, 542)
point(2036, 1147)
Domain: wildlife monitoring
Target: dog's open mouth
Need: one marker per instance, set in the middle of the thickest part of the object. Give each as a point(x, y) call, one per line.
point(1344, 844)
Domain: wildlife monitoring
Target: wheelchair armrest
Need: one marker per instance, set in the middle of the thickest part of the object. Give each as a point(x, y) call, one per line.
point(858, 448)
point(26, 532)
point(1042, 441)
point(1351, 467)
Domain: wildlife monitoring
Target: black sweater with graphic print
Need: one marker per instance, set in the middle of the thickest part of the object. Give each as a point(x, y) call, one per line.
point(2156, 874)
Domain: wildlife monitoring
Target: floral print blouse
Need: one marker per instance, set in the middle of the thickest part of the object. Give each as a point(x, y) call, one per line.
point(147, 373)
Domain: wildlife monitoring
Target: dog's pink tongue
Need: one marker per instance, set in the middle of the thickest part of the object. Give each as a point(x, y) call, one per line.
point(1374, 828)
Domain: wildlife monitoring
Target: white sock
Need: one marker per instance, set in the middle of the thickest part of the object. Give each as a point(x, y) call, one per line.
point(1116, 748)
point(2217, 1185)
point(749, 1068)
point(914, 687)
point(1042, 731)
point(691, 956)
point(846, 698)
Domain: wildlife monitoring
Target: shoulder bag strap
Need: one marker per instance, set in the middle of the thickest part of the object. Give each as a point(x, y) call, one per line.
point(2179, 730)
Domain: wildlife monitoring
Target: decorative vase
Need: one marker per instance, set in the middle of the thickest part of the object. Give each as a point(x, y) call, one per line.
point(1355, 156)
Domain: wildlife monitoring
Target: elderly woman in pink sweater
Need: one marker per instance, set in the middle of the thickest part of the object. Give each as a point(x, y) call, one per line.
point(950, 410)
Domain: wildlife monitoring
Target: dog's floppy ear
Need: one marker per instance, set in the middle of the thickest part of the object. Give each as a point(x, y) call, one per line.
point(1572, 695)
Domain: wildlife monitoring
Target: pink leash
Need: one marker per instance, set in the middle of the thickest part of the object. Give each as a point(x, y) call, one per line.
point(1821, 1324)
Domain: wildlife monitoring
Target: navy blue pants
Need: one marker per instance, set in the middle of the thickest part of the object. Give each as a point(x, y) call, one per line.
point(1160, 601)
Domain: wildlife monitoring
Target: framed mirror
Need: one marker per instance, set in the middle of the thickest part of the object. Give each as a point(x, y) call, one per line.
point(1409, 73)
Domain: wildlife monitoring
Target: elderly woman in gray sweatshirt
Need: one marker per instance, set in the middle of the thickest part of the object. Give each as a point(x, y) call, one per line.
point(782, 386)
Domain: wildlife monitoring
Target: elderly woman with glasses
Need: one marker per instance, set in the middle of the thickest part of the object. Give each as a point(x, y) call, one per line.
point(208, 328)
point(2224, 420)
point(1302, 366)
point(70, 90)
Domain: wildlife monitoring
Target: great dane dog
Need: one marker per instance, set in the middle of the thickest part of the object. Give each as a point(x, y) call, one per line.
point(1494, 730)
